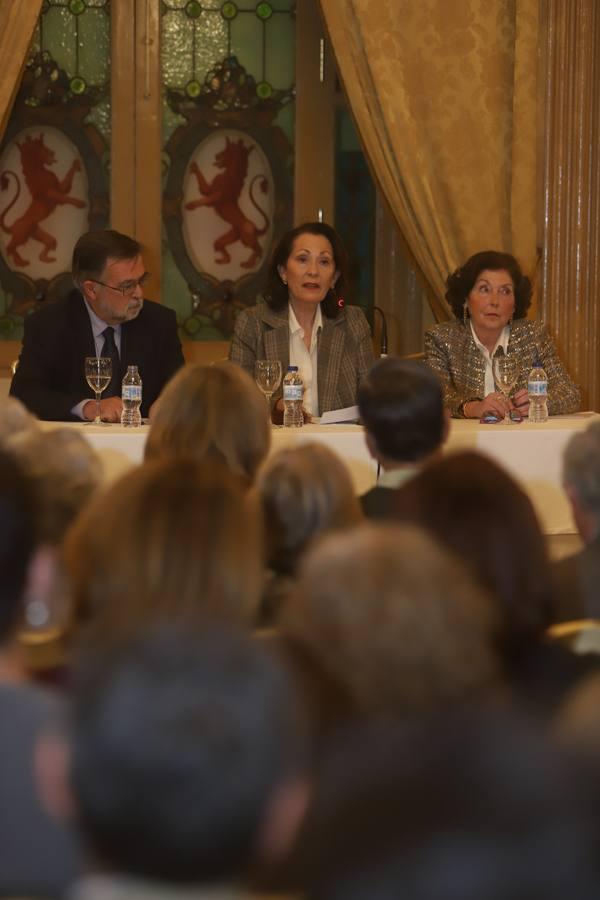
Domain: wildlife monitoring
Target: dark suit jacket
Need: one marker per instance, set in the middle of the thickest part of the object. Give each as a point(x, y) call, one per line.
point(50, 377)
point(577, 585)
point(378, 503)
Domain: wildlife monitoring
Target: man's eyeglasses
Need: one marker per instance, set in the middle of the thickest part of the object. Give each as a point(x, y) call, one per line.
point(128, 288)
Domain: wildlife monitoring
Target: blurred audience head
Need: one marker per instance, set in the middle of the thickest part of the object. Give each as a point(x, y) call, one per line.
point(15, 420)
point(461, 282)
point(175, 540)
point(401, 406)
point(395, 619)
point(305, 491)
point(186, 761)
point(581, 478)
point(459, 808)
point(476, 510)
point(214, 414)
point(18, 543)
point(65, 470)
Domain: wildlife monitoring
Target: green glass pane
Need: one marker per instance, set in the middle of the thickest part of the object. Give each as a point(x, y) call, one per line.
point(191, 326)
point(170, 121)
point(100, 117)
point(211, 43)
point(229, 10)
point(94, 46)
point(247, 44)
point(286, 121)
point(76, 7)
point(264, 10)
point(7, 326)
point(193, 9)
point(280, 56)
point(78, 85)
point(59, 36)
point(177, 49)
point(264, 90)
point(193, 88)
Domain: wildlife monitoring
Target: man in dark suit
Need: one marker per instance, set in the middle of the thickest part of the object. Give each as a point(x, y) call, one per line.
point(106, 316)
point(401, 407)
point(577, 578)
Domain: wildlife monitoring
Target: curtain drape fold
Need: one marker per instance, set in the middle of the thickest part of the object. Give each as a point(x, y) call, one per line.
point(18, 19)
point(444, 99)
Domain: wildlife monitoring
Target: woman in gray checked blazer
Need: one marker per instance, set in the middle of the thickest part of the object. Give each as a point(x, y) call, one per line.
point(302, 322)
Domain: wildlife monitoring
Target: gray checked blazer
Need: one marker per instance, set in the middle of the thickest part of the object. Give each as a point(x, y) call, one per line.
point(345, 350)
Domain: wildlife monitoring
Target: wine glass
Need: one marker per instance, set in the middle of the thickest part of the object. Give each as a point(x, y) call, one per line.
point(506, 372)
point(267, 374)
point(98, 372)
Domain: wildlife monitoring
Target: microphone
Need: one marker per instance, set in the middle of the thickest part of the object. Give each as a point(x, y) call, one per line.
point(383, 351)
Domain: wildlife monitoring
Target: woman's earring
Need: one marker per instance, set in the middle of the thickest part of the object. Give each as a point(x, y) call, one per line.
point(284, 279)
point(465, 313)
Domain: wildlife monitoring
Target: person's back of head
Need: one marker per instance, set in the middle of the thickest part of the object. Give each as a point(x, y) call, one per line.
point(211, 413)
point(401, 407)
point(66, 471)
point(459, 808)
point(477, 510)
point(172, 539)
point(305, 491)
point(395, 619)
point(180, 742)
point(581, 477)
point(15, 420)
point(18, 541)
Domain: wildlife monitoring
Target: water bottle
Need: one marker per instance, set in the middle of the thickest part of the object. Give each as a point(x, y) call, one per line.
point(131, 395)
point(537, 388)
point(293, 390)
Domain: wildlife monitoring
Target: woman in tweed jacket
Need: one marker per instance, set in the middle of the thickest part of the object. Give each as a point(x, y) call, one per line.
point(302, 321)
point(489, 297)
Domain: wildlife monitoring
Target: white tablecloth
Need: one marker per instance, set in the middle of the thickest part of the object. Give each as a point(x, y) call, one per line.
point(531, 453)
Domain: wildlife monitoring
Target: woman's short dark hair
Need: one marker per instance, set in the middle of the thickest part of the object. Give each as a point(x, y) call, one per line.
point(276, 293)
point(460, 283)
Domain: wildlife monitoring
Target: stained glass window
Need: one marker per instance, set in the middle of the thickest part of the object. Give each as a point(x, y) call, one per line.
point(62, 114)
point(227, 67)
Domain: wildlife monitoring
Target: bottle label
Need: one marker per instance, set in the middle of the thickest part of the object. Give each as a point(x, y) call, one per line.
point(538, 388)
point(132, 392)
point(292, 392)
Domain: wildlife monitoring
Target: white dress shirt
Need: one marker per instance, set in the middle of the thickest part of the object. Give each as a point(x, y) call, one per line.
point(490, 384)
point(98, 327)
point(306, 360)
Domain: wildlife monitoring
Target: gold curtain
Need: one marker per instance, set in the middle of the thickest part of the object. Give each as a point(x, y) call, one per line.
point(18, 19)
point(444, 98)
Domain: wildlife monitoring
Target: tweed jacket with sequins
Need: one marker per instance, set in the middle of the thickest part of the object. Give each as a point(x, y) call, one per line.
point(451, 351)
point(344, 355)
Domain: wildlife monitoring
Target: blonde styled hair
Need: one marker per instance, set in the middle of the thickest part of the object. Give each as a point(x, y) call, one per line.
point(174, 539)
point(394, 618)
point(305, 491)
point(213, 413)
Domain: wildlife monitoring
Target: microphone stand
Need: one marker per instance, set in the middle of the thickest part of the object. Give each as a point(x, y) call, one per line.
point(383, 347)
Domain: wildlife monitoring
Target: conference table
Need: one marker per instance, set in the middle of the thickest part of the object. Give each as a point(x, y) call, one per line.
point(531, 453)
